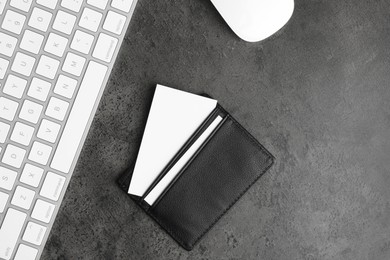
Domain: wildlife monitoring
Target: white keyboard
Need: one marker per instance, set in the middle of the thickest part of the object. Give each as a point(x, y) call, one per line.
point(55, 60)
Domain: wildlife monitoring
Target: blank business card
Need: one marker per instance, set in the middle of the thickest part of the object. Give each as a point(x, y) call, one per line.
point(173, 118)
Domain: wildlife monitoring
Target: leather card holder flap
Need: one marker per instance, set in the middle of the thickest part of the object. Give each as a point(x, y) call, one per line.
point(221, 172)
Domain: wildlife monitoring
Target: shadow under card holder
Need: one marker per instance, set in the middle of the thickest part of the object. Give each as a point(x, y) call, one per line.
point(225, 166)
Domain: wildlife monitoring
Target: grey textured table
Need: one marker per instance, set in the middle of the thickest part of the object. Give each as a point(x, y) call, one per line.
point(316, 94)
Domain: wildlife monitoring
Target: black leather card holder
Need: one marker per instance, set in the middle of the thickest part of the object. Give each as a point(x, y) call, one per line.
point(222, 170)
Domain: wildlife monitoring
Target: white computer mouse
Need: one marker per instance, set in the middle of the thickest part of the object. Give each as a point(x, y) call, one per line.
point(255, 20)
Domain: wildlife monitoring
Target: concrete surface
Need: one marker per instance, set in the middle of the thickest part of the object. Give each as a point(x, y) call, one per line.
point(316, 95)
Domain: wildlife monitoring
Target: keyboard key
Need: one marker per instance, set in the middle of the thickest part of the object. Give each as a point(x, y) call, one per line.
point(13, 156)
point(3, 67)
point(48, 3)
point(22, 134)
point(73, 64)
point(30, 111)
point(8, 108)
point(64, 22)
point(73, 5)
point(3, 201)
point(23, 197)
point(2, 5)
point(40, 153)
point(56, 44)
point(13, 22)
point(7, 44)
point(10, 231)
point(65, 86)
point(114, 22)
point(4, 129)
point(90, 19)
point(34, 233)
point(101, 4)
point(26, 253)
point(7, 178)
point(31, 42)
point(105, 47)
point(31, 175)
point(23, 5)
point(43, 211)
point(123, 5)
point(48, 131)
point(15, 86)
point(40, 19)
point(39, 89)
point(57, 108)
point(47, 67)
point(82, 42)
point(23, 64)
point(78, 117)
point(52, 186)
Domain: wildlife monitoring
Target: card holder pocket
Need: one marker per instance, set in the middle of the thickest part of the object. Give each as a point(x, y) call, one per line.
point(211, 182)
point(211, 122)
